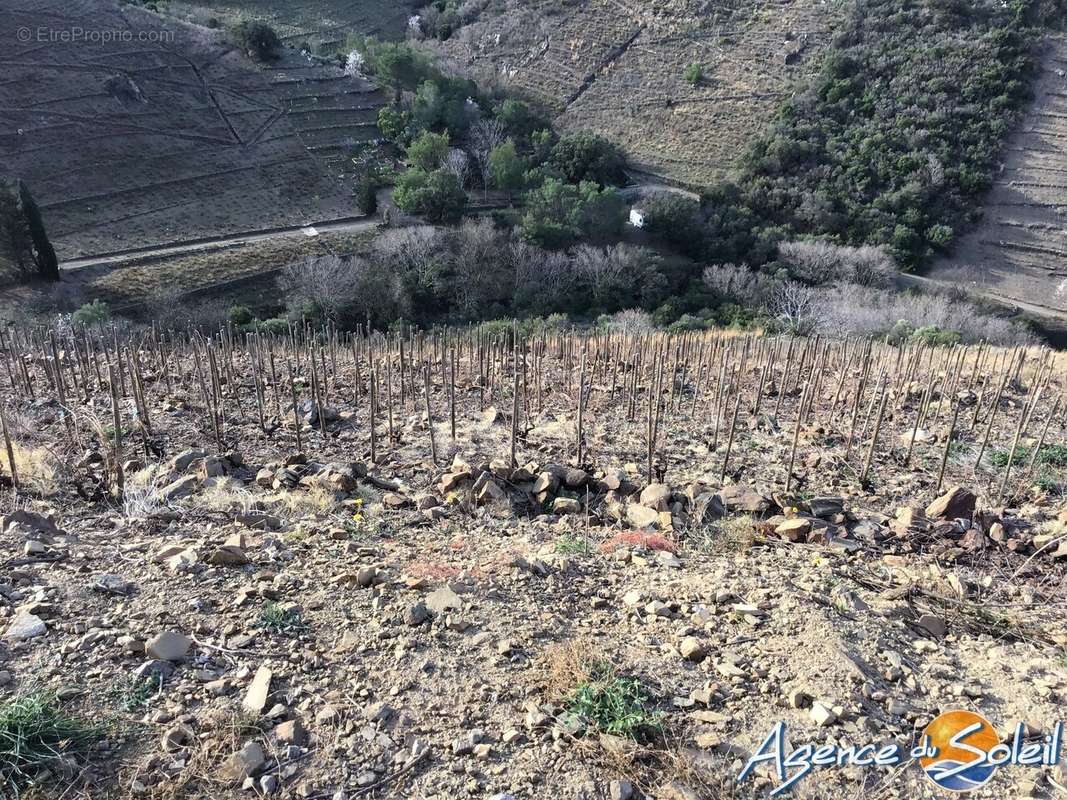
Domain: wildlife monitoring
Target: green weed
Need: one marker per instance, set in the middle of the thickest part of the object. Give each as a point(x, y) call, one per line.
point(615, 704)
point(34, 732)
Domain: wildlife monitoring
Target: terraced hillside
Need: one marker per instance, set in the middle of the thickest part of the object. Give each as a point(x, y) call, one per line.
point(320, 23)
point(617, 68)
point(161, 132)
point(1019, 252)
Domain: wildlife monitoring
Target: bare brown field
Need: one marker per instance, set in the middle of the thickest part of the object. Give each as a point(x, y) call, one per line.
point(617, 69)
point(1018, 254)
point(167, 133)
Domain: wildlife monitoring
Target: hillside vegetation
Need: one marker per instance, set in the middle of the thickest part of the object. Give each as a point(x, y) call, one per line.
point(895, 140)
point(626, 70)
point(1019, 251)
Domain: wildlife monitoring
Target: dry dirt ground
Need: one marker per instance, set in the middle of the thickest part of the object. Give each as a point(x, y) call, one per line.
point(616, 68)
point(367, 620)
point(134, 130)
point(1018, 254)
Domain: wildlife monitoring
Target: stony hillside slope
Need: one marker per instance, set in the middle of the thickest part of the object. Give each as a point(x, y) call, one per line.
point(1019, 251)
point(167, 133)
point(617, 68)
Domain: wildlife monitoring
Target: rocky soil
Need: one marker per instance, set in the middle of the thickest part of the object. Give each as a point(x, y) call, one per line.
point(263, 621)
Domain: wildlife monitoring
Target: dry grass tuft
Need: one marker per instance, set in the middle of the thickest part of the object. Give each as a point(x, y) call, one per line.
point(38, 468)
point(226, 729)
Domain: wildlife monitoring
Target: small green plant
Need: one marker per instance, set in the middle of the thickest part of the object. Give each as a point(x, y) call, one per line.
point(90, 314)
point(615, 704)
point(1051, 455)
point(33, 733)
point(131, 693)
point(569, 544)
point(240, 315)
point(1047, 483)
point(361, 526)
point(694, 74)
point(278, 619)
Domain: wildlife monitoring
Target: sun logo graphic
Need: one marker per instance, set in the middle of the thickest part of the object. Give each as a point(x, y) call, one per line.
point(963, 751)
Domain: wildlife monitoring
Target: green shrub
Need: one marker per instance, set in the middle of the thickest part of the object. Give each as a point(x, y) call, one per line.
point(428, 151)
point(584, 156)
point(437, 196)
point(275, 326)
point(507, 167)
point(693, 74)
point(936, 337)
point(94, 313)
point(239, 315)
point(393, 123)
point(618, 705)
point(258, 39)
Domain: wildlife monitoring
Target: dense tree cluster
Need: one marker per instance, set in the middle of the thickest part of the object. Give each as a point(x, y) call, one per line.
point(894, 141)
point(25, 251)
point(258, 39)
point(456, 138)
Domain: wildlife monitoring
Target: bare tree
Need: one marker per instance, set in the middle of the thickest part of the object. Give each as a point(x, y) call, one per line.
point(606, 269)
point(823, 262)
point(485, 136)
point(739, 284)
point(632, 320)
point(542, 279)
point(477, 280)
point(343, 291)
point(459, 164)
point(797, 305)
point(413, 249)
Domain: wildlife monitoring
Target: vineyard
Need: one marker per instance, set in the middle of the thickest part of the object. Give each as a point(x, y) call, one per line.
point(322, 25)
point(171, 134)
point(458, 526)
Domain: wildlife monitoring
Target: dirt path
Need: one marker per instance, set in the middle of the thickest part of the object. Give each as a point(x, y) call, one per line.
point(345, 224)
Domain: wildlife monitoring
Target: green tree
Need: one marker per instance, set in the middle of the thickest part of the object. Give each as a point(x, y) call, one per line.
point(553, 214)
point(396, 65)
point(520, 119)
point(258, 39)
point(508, 168)
point(602, 212)
point(393, 123)
point(428, 151)
point(694, 74)
point(443, 104)
point(584, 156)
point(437, 195)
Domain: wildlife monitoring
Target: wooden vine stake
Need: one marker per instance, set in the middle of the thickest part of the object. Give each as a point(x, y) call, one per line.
point(796, 439)
point(874, 436)
point(948, 447)
point(10, 452)
point(429, 416)
point(120, 479)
